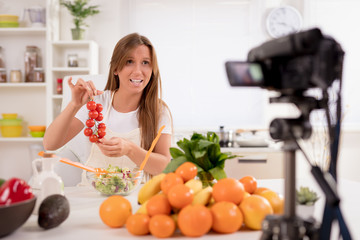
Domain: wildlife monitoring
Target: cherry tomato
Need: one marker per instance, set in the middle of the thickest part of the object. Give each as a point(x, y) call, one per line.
point(99, 107)
point(93, 114)
point(99, 117)
point(101, 132)
point(91, 105)
point(93, 138)
point(102, 125)
point(90, 123)
point(88, 132)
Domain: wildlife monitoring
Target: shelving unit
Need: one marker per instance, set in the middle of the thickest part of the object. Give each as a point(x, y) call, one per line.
point(88, 55)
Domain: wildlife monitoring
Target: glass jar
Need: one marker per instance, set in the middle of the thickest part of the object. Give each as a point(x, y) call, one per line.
point(2, 75)
point(2, 63)
point(59, 87)
point(73, 60)
point(31, 57)
point(39, 75)
point(15, 75)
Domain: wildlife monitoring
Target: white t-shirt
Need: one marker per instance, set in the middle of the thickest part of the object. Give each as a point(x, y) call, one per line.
point(116, 121)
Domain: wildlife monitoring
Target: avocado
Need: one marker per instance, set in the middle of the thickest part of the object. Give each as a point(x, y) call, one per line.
point(53, 210)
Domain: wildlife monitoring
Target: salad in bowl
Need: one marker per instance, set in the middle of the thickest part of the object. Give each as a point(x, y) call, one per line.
point(117, 181)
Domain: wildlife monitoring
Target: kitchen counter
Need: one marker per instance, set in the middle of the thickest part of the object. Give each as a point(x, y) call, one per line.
point(84, 221)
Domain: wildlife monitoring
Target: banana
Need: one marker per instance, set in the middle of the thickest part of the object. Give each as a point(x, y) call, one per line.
point(195, 185)
point(143, 208)
point(150, 188)
point(203, 197)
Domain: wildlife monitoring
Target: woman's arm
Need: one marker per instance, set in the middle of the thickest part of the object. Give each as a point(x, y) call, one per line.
point(159, 158)
point(66, 126)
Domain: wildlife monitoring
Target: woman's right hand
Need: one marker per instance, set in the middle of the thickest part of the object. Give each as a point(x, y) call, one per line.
point(82, 91)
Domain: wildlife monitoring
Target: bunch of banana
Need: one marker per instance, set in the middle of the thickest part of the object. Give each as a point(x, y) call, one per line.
point(150, 188)
point(203, 197)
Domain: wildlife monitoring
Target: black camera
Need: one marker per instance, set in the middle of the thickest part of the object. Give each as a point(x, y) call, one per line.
point(290, 64)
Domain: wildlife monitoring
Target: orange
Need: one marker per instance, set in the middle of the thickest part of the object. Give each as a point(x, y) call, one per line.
point(162, 226)
point(227, 217)
point(180, 195)
point(260, 189)
point(138, 224)
point(115, 210)
point(170, 180)
point(246, 194)
point(194, 220)
point(250, 183)
point(276, 201)
point(228, 189)
point(254, 209)
point(187, 171)
point(158, 204)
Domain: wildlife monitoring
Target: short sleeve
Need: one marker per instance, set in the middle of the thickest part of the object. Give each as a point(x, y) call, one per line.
point(165, 119)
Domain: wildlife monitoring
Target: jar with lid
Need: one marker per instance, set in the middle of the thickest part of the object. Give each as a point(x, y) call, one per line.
point(59, 86)
point(73, 60)
point(2, 75)
point(39, 75)
point(31, 58)
point(2, 63)
point(15, 75)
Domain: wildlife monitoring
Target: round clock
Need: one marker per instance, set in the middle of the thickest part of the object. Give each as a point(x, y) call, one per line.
point(282, 21)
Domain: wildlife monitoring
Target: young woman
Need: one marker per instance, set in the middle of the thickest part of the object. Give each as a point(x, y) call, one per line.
point(132, 108)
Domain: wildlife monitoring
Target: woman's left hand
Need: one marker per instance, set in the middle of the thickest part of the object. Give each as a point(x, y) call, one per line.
point(114, 147)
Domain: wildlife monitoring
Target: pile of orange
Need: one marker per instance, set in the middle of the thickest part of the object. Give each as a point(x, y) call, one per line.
point(232, 204)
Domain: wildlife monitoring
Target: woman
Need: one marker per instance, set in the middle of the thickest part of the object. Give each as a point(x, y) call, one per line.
point(132, 108)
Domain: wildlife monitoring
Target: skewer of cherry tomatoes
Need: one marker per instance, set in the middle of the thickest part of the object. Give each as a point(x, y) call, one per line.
point(95, 129)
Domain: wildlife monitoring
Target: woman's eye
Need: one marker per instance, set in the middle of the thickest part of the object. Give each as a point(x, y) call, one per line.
point(129, 61)
point(146, 62)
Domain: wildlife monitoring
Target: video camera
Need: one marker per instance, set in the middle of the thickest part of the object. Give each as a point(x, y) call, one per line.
point(290, 64)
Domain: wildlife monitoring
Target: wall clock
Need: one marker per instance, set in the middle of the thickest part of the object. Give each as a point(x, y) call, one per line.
point(282, 21)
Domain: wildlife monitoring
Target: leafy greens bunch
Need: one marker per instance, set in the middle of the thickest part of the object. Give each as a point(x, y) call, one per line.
point(204, 152)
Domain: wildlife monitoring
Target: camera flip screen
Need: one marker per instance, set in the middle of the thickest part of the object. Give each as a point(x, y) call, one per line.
point(244, 74)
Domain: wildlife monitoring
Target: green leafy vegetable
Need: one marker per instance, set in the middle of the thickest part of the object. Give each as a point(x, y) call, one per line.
point(204, 152)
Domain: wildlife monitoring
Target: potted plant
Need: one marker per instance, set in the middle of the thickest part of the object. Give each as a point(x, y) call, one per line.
point(80, 10)
point(205, 153)
point(305, 199)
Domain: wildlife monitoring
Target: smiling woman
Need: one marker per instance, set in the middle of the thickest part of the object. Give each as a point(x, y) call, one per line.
point(133, 111)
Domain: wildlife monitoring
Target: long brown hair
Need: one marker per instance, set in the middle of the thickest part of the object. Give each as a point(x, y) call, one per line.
point(151, 104)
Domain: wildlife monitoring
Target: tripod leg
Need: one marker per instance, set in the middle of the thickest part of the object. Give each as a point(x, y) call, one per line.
point(290, 185)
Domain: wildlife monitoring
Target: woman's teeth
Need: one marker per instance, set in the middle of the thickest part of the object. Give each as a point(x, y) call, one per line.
point(135, 80)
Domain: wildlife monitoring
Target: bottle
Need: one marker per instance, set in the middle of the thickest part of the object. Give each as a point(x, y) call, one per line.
point(39, 75)
point(2, 75)
point(73, 60)
point(59, 87)
point(46, 182)
point(31, 55)
point(15, 75)
point(222, 137)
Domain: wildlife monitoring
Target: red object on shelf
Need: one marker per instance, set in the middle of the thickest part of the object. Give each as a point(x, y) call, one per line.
point(59, 87)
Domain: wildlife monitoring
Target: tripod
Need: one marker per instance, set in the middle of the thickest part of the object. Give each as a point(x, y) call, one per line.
point(289, 226)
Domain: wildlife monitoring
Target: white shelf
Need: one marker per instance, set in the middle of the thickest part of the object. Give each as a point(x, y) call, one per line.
point(21, 85)
point(70, 69)
point(57, 96)
point(21, 31)
point(20, 139)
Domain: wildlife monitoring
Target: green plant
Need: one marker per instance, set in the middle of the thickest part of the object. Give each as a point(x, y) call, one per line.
point(305, 196)
point(80, 10)
point(204, 152)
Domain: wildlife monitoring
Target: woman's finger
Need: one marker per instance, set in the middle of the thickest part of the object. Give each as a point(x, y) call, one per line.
point(71, 85)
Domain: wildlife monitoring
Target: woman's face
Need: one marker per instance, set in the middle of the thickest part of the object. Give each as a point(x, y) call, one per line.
point(136, 73)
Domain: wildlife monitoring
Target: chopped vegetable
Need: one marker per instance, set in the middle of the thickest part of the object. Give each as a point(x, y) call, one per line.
point(117, 181)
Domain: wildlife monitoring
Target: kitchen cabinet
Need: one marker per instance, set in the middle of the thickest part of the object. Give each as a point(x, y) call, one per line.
point(36, 103)
point(261, 163)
